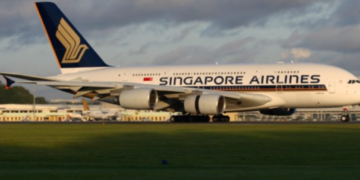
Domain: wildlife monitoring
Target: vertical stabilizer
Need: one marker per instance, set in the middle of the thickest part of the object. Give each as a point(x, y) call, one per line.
point(85, 104)
point(72, 51)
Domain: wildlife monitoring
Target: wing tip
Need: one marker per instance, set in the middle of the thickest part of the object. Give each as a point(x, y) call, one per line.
point(8, 82)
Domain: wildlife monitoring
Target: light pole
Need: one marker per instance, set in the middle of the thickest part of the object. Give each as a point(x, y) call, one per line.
point(34, 102)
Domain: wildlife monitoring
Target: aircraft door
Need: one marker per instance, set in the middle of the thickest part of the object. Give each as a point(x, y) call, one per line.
point(167, 73)
point(125, 75)
point(331, 87)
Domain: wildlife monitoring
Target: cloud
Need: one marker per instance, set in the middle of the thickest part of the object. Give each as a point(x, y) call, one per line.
point(347, 13)
point(19, 18)
point(226, 14)
point(330, 38)
point(299, 53)
point(143, 48)
point(296, 54)
point(241, 50)
point(183, 34)
point(339, 32)
point(174, 38)
point(349, 62)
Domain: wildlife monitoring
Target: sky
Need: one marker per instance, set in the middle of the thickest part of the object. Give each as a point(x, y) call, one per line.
point(177, 32)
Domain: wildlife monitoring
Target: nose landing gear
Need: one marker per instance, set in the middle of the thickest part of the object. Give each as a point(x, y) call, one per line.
point(345, 116)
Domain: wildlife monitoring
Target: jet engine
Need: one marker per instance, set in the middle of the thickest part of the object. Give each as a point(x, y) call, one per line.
point(279, 111)
point(207, 104)
point(138, 99)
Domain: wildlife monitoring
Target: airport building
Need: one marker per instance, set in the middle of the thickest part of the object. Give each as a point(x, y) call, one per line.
point(58, 112)
point(61, 112)
point(65, 101)
point(28, 112)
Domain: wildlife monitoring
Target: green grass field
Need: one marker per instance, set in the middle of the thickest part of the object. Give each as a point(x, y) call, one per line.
point(198, 151)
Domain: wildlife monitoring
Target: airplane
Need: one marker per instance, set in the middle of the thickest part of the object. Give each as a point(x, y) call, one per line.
point(74, 117)
point(100, 114)
point(197, 91)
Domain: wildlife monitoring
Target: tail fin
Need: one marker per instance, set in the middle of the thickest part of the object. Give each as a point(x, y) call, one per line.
point(71, 50)
point(85, 104)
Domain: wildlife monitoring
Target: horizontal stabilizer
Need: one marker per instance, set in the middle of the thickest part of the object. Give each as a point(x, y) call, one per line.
point(26, 77)
point(8, 82)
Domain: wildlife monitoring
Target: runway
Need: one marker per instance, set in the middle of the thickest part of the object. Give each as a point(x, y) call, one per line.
point(170, 123)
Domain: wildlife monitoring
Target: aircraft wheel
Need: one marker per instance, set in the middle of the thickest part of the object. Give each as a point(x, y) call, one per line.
point(226, 119)
point(221, 118)
point(215, 119)
point(180, 118)
point(345, 118)
point(202, 118)
point(172, 118)
point(187, 118)
point(206, 118)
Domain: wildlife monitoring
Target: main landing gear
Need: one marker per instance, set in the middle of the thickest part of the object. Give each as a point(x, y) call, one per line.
point(199, 118)
point(189, 118)
point(220, 118)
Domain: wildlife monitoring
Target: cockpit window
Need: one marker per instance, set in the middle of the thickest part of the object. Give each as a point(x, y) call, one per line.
point(354, 81)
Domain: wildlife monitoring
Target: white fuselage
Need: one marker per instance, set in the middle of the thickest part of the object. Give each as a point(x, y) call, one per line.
point(99, 114)
point(297, 85)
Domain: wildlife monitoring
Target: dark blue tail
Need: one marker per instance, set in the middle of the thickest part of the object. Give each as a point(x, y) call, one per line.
point(70, 48)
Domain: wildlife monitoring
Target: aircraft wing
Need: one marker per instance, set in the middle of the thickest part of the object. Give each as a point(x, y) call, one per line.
point(170, 97)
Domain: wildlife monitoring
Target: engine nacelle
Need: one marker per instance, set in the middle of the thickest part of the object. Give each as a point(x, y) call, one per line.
point(138, 99)
point(207, 104)
point(279, 111)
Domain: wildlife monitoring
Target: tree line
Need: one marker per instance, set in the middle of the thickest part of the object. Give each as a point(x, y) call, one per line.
point(18, 95)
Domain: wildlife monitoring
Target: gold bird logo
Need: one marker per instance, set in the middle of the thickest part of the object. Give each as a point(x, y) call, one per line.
point(71, 41)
